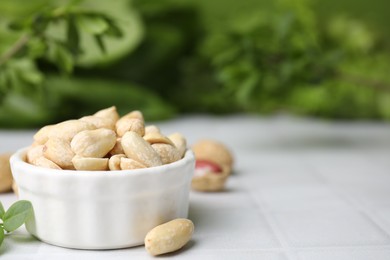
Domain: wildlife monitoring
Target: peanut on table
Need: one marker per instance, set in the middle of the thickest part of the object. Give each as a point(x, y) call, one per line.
point(214, 164)
point(169, 237)
point(5, 173)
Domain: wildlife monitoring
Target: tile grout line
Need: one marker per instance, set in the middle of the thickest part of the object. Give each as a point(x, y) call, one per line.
point(277, 231)
point(379, 219)
point(303, 248)
point(355, 247)
point(356, 204)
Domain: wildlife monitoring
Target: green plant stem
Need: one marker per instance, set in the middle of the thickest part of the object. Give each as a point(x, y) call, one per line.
point(19, 45)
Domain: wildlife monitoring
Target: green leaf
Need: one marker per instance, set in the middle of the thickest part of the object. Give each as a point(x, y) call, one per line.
point(18, 25)
point(40, 22)
point(113, 30)
point(2, 211)
point(100, 43)
point(126, 19)
point(63, 59)
point(92, 24)
point(32, 77)
point(125, 95)
point(36, 48)
point(26, 71)
point(22, 110)
point(73, 36)
point(17, 215)
point(1, 235)
point(11, 9)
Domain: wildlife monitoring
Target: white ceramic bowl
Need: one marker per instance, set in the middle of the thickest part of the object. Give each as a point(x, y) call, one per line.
point(102, 209)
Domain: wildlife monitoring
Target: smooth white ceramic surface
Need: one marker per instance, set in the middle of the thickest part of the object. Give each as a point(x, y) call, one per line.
point(102, 209)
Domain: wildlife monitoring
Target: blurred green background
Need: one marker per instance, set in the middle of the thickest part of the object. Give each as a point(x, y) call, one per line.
point(169, 57)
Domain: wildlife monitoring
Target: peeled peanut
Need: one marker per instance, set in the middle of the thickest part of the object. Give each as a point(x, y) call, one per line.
point(35, 143)
point(168, 153)
point(93, 143)
point(110, 113)
point(135, 114)
point(130, 164)
point(114, 163)
point(151, 129)
point(169, 237)
point(68, 129)
point(180, 142)
point(153, 138)
point(133, 121)
point(136, 148)
point(34, 153)
point(46, 163)
point(130, 124)
point(58, 151)
point(42, 135)
point(5, 173)
point(99, 122)
point(90, 164)
point(117, 149)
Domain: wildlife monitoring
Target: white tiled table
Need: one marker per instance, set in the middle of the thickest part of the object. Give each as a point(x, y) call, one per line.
point(302, 189)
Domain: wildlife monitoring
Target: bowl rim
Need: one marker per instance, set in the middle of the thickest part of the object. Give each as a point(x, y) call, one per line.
point(18, 159)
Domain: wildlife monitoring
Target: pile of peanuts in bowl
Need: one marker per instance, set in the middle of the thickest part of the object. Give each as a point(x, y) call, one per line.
point(104, 141)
